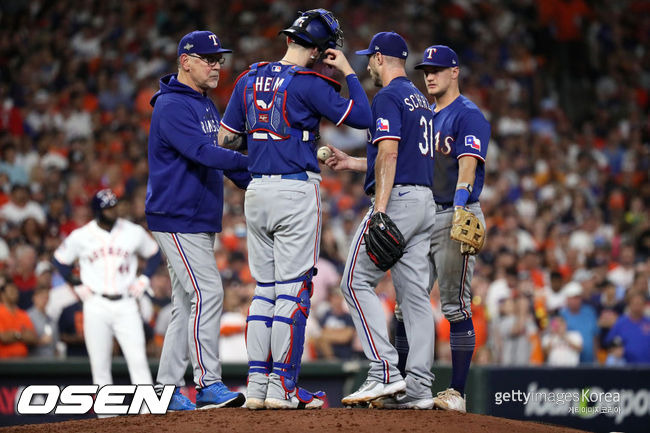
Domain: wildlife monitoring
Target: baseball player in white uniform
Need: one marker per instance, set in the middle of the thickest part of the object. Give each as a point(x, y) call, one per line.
point(106, 249)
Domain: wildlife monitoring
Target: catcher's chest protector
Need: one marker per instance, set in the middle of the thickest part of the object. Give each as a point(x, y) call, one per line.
point(268, 120)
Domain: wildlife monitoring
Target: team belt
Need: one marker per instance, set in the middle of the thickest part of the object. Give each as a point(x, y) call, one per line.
point(371, 190)
point(112, 297)
point(295, 176)
point(445, 206)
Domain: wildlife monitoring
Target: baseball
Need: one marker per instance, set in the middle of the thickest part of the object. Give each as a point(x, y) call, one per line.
point(324, 153)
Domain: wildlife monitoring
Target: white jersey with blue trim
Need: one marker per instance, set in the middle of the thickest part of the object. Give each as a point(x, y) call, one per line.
point(460, 130)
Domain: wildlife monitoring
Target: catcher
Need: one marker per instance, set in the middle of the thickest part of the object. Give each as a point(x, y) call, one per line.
point(395, 233)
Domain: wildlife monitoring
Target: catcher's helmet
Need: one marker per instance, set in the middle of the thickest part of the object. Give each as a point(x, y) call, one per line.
point(103, 200)
point(316, 28)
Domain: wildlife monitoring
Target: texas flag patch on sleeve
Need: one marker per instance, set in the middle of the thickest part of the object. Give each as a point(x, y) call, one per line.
point(383, 125)
point(473, 142)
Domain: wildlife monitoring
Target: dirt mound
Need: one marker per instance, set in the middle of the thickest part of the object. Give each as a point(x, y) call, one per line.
point(326, 420)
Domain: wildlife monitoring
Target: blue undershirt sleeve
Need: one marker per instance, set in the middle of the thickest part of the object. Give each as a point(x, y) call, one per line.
point(152, 264)
point(360, 116)
point(66, 272)
point(240, 178)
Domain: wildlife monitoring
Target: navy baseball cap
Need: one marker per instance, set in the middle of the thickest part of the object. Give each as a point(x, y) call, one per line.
point(438, 55)
point(103, 199)
point(387, 43)
point(201, 42)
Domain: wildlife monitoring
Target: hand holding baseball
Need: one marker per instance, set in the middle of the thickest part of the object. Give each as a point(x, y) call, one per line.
point(339, 160)
point(324, 153)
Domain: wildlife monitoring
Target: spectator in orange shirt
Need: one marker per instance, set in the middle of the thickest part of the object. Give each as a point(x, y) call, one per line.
point(569, 17)
point(16, 330)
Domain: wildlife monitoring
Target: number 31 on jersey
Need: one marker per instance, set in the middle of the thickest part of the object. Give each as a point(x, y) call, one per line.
point(432, 144)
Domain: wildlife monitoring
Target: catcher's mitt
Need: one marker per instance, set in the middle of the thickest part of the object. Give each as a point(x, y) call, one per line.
point(384, 242)
point(467, 229)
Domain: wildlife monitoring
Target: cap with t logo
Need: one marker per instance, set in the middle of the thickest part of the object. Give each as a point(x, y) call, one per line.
point(438, 55)
point(201, 42)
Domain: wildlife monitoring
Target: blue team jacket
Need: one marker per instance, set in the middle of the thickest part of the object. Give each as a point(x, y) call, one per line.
point(186, 166)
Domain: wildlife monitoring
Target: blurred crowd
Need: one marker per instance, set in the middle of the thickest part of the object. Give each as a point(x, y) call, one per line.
point(564, 277)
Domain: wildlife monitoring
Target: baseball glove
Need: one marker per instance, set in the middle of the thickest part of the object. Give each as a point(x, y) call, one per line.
point(384, 242)
point(467, 229)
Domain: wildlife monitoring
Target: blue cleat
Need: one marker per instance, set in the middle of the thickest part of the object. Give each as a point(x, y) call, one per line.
point(218, 395)
point(179, 402)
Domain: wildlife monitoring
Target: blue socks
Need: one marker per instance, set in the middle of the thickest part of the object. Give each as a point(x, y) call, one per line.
point(402, 346)
point(462, 340)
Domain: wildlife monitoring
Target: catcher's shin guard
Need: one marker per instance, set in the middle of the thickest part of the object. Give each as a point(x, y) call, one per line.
point(287, 363)
point(258, 338)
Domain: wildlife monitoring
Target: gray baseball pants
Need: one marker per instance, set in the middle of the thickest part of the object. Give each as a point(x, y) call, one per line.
point(413, 211)
point(197, 302)
point(283, 219)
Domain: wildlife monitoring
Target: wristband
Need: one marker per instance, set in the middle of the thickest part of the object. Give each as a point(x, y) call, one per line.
point(461, 197)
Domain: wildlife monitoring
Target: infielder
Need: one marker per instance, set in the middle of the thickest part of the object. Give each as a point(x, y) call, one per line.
point(399, 173)
point(277, 106)
point(184, 206)
point(461, 139)
point(107, 250)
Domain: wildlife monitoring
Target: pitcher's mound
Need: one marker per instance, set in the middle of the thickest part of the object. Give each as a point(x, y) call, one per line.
point(317, 421)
